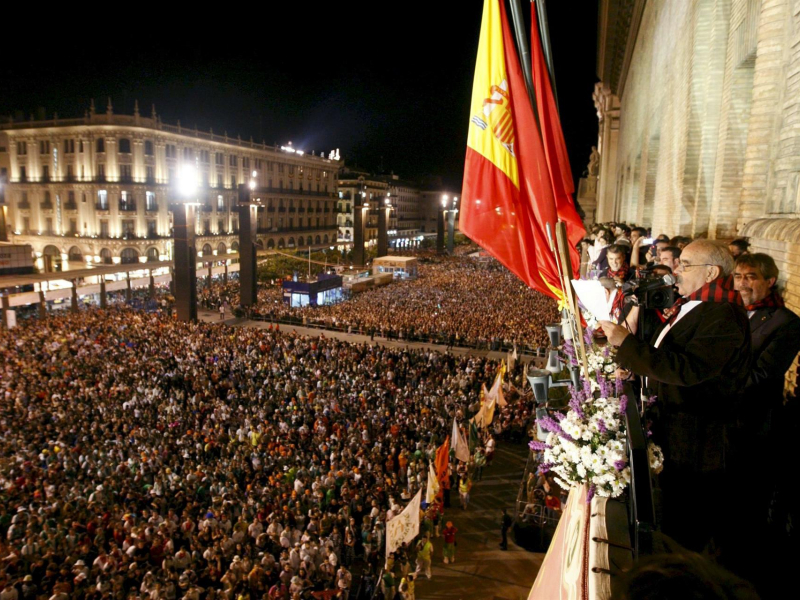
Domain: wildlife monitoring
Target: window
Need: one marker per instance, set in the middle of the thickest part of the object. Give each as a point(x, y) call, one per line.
point(125, 173)
point(80, 145)
point(125, 146)
point(69, 146)
point(233, 181)
point(204, 156)
point(70, 173)
point(71, 197)
point(100, 145)
point(73, 226)
point(232, 161)
point(104, 228)
point(26, 225)
point(150, 201)
point(219, 158)
point(45, 173)
point(188, 154)
point(22, 148)
point(151, 174)
point(170, 151)
point(170, 175)
point(148, 148)
point(44, 147)
point(245, 162)
point(220, 202)
point(220, 226)
point(128, 230)
point(151, 229)
point(101, 172)
point(126, 202)
point(102, 199)
point(22, 174)
point(220, 180)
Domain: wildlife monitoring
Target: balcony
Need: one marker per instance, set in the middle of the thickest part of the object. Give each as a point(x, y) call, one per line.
point(281, 209)
point(101, 206)
point(301, 209)
point(46, 206)
point(206, 208)
point(151, 207)
point(24, 205)
point(70, 206)
point(127, 207)
point(292, 209)
point(271, 209)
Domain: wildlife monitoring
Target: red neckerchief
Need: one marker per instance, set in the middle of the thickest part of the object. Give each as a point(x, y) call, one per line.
point(622, 273)
point(719, 290)
point(772, 300)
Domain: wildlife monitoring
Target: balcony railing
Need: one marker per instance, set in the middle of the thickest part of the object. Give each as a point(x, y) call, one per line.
point(101, 206)
point(24, 205)
point(127, 208)
point(206, 208)
point(151, 208)
point(70, 206)
point(46, 206)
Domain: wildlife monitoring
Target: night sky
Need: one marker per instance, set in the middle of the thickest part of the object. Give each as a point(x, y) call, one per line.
point(391, 90)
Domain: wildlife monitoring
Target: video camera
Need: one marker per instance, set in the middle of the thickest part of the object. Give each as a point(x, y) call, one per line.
point(649, 290)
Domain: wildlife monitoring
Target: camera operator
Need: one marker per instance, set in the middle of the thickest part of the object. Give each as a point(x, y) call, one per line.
point(670, 257)
point(697, 364)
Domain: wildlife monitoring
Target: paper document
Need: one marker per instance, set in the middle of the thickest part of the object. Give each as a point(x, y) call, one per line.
point(592, 295)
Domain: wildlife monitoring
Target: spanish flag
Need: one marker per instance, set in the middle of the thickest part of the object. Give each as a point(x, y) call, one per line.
point(507, 196)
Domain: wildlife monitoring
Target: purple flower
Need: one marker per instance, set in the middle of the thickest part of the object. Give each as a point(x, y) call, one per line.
point(618, 386)
point(605, 387)
point(575, 404)
point(623, 404)
point(560, 416)
point(549, 424)
point(569, 349)
point(588, 336)
point(587, 388)
point(619, 465)
point(607, 351)
point(651, 400)
point(590, 494)
point(601, 425)
point(537, 445)
point(545, 467)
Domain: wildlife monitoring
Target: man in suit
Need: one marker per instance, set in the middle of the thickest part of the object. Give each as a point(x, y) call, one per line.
point(696, 364)
point(765, 423)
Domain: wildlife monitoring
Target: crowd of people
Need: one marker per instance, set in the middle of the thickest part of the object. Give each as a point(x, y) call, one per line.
point(456, 301)
point(142, 457)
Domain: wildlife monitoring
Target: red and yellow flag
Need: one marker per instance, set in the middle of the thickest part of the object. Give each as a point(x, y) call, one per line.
point(507, 196)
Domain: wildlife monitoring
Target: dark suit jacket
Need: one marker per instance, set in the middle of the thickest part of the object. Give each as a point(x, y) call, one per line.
point(775, 342)
point(698, 373)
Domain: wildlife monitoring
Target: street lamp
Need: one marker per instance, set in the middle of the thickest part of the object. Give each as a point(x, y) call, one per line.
point(248, 232)
point(185, 279)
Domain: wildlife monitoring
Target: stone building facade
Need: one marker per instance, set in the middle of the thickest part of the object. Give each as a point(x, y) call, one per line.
point(99, 188)
point(699, 108)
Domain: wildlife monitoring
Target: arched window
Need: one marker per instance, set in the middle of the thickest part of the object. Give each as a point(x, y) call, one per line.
point(221, 249)
point(270, 244)
point(125, 146)
point(317, 240)
point(152, 254)
point(309, 240)
point(281, 243)
point(129, 256)
point(207, 251)
point(260, 244)
point(75, 254)
point(105, 256)
point(326, 239)
point(235, 247)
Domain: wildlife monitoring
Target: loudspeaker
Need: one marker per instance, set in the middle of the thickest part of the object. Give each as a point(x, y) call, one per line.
point(553, 362)
point(540, 383)
point(554, 331)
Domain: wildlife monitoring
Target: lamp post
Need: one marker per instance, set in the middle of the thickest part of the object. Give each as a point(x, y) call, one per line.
point(451, 224)
point(383, 226)
point(440, 224)
point(184, 210)
point(360, 215)
point(248, 228)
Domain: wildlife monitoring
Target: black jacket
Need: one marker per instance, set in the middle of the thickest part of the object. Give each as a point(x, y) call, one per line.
point(697, 373)
point(775, 336)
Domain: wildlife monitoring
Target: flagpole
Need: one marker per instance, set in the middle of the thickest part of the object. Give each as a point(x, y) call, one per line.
point(524, 48)
point(566, 268)
point(544, 36)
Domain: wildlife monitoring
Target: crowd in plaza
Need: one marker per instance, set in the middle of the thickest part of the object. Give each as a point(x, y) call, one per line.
point(142, 457)
point(456, 301)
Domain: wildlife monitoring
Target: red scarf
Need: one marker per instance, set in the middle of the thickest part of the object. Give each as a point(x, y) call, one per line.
point(772, 300)
point(622, 273)
point(719, 290)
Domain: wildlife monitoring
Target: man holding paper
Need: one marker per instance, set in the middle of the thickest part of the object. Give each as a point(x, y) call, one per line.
point(696, 364)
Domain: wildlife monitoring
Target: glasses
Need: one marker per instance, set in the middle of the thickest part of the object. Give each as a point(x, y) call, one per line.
point(683, 266)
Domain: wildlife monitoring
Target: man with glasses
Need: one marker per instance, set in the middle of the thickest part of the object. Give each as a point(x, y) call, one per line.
point(696, 364)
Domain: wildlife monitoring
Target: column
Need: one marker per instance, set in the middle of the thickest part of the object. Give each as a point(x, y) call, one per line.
point(248, 228)
point(128, 291)
point(185, 277)
point(6, 308)
point(74, 305)
point(439, 230)
point(103, 295)
point(359, 218)
point(383, 230)
point(152, 285)
point(451, 230)
point(42, 305)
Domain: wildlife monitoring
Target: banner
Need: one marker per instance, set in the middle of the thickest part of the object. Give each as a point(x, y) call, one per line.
point(405, 526)
point(460, 445)
point(433, 485)
point(565, 566)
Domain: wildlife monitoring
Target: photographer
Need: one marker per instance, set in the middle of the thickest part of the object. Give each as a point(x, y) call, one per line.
point(697, 364)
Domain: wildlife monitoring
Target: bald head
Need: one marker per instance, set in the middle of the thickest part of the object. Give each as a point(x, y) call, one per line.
point(713, 254)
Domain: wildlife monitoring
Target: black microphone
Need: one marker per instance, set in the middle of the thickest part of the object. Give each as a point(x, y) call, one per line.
point(649, 284)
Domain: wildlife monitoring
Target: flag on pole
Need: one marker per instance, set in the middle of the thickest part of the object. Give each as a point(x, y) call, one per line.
point(405, 526)
point(442, 459)
point(433, 485)
point(474, 438)
point(507, 198)
point(496, 393)
point(554, 145)
point(460, 445)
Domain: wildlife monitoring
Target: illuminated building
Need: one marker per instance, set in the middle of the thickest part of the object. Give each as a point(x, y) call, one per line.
point(98, 188)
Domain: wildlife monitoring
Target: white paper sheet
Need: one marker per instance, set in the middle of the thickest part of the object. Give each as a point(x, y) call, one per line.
point(592, 295)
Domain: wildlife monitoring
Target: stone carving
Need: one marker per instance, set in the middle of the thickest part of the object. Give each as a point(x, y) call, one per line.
point(594, 162)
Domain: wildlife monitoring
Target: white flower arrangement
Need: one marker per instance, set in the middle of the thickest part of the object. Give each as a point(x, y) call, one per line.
point(587, 445)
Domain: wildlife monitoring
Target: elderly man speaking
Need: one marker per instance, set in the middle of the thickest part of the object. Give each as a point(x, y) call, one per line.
point(696, 364)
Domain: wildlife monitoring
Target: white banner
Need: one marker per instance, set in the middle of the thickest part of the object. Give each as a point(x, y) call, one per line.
point(405, 526)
